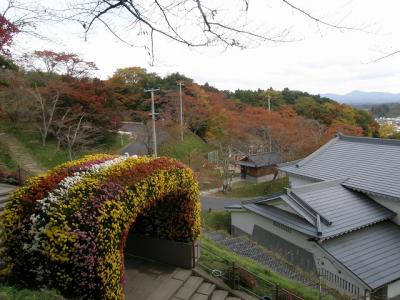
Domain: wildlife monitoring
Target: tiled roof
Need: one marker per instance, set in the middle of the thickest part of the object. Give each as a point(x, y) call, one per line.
point(371, 253)
point(275, 214)
point(341, 210)
point(327, 208)
point(371, 165)
point(260, 159)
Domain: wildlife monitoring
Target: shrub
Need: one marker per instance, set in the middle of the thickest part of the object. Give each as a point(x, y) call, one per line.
point(67, 229)
point(218, 220)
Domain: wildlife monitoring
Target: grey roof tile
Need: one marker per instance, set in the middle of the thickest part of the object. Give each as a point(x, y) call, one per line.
point(345, 209)
point(290, 220)
point(371, 165)
point(371, 253)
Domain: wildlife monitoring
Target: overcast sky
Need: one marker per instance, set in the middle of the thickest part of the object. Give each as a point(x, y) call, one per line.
point(321, 59)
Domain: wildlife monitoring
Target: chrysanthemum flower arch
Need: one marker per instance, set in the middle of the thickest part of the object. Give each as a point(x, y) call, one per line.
point(67, 229)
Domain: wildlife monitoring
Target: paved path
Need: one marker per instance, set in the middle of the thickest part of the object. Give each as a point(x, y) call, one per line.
point(20, 154)
point(138, 147)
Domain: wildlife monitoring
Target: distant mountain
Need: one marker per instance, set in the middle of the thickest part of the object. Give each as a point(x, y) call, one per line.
point(359, 97)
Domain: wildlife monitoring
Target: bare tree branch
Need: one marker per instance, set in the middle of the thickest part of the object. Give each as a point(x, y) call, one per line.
point(318, 20)
point(385, 56)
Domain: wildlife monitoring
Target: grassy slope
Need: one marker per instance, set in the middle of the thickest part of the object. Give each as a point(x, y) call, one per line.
point(191, 145)
point(219, 257)
point(6, 162)
point(49, 156)
point(243, 189)
point(193, 152)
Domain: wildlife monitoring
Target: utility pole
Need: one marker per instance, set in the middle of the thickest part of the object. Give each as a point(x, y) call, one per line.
point(269, 103)
point(153, 117)
point(180, 83)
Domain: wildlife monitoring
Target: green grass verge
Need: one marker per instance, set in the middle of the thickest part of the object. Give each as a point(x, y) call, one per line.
point(218, 220)
point(244, 189)
point(50, 157)
point(13, 293)
point(214, 256)
point(6, 161)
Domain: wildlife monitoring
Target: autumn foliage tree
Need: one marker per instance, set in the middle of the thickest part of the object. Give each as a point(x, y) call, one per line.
point(7, 32)
point(63, 63)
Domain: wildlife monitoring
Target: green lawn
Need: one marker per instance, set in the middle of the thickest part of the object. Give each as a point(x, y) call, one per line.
point(49, 156)
point(12, 293)
point(244, 189)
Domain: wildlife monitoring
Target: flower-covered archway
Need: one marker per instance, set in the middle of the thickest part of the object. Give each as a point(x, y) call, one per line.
point(67, 229)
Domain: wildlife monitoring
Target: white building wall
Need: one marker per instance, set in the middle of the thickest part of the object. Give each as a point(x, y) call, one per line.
point(394, 290)
point(393, 205)
point(245, 221)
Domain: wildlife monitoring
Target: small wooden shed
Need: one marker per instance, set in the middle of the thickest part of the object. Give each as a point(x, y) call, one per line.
point(257, 167)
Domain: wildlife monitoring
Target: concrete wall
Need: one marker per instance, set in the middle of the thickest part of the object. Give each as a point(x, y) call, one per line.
point(287, 242)
point(393, 290)
point(393, 205)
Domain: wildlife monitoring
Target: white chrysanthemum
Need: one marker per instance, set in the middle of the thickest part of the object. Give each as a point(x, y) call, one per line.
point(46, 205)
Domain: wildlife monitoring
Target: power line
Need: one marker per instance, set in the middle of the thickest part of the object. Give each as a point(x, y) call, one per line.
point(153, 117)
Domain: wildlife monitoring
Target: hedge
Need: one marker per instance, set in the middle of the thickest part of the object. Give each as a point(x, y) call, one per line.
point(67, 229)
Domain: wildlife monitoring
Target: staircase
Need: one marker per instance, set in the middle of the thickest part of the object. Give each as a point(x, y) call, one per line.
point(184, 285)
point(5, 191)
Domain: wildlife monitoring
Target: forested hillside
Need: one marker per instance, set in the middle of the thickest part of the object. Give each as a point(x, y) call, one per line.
point(388, 110)
point(56, 95)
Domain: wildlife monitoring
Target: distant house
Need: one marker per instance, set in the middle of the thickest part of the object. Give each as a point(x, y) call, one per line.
point(340, 217)
point(257, 167)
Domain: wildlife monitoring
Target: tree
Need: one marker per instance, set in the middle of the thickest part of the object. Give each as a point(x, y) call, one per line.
point(146, 137)
point(77, 134)
point(190, 22)
point(46, 105)
point(7, 32)
point(387, 130)
point(63, 63)
point(21, 17)
point(15, 100)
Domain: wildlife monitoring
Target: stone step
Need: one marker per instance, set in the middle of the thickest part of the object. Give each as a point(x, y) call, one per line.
point(166, 289)
point(219, 295)
point(181, 274)
point(206, 289)
point(4, 198)
point(198, 296)
point(233, 298)
point(189, 288)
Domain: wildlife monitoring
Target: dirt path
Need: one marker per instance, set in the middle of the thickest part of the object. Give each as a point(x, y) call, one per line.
point(20, 154)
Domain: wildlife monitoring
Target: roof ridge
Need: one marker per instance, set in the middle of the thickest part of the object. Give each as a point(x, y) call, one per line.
point(317, 152)
point(308, 206)
point(318, 185)
point(368, 140)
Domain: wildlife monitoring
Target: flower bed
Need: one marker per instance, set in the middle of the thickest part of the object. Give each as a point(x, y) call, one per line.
point(67, 229)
